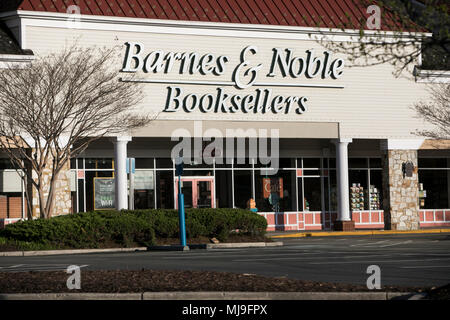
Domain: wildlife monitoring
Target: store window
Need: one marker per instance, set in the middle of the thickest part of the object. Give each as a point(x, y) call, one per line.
point(358, 163)
point(358, 189)
point(243, 191)
point(164, 163)
point(313, 163)
point(365, 179)
point(101, 163)
point(144, 189)
point(11, 188)
point(144, 163)
point(224, 185)
point(434, 177)
point(165, 191)
point(311, 194)
point(6, 163)
point(333, 189)
point(375, 194)
point(433, 189)
point(275, 193)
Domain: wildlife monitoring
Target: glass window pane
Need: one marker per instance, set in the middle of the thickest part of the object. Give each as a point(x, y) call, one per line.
point(80, 195)
point(300, 194)
point(312, 192)
point(375, 163)
point(73, 163)
point(204, 199)
point(164, 163)
point(311, 172)
point(243, 163)
point(99, 163)
point(104, 163)
point(311, 162)
point(223, 163)
point(433, 163)
point(194, 165)
point(333, 190)
point(144, 163)
point(326, 194)
point(435, 185)
point(89, 176)
point(287, 163)
point(224, 189)
point(164, 190)
point(242, 188)
point(186, 189)
point(192, 173)
point(357, 163)
point(144, 199)
point(375, 192)
point(90, 163)
point(275, 193)
point(333, 163)
point(358, 189)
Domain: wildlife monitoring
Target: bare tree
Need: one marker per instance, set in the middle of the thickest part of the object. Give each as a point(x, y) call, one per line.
point(436, 111)
point(395, 31)
point(54, 109)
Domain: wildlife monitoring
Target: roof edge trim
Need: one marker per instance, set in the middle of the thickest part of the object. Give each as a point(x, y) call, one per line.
point(209, 25)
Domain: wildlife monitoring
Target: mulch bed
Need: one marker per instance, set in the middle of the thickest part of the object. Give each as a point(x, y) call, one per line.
point(123, 281)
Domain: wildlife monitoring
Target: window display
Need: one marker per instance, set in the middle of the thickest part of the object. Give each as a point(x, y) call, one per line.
point(356, 197)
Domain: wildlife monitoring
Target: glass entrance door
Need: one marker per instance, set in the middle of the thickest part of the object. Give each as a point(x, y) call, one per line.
point(198, 192)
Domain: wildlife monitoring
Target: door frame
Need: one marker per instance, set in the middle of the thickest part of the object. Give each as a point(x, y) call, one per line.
point(194, 180)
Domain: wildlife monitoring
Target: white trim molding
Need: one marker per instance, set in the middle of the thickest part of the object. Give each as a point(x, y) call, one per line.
point(15, 60)
point(432, 76)
point(127, 24)
point(401, 144)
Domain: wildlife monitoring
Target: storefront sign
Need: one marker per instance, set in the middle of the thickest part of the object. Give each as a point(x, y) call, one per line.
point(245, 75)
point(272, 185)
point(104, 193)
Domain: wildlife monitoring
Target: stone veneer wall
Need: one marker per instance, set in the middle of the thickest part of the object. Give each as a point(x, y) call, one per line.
point(63, 201)
point(400, 193)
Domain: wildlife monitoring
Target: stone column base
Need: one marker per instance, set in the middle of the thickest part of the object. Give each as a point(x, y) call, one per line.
point(344, 226)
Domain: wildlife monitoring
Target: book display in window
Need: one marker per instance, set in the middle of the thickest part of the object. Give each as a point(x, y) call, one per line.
point(422, 196)
point(356, 197)
point(373, 197)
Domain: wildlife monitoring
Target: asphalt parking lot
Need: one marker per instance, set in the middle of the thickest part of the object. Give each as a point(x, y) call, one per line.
point(405, 260)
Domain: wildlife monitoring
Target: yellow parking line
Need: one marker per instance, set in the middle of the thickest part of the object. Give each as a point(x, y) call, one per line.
point(358, 233)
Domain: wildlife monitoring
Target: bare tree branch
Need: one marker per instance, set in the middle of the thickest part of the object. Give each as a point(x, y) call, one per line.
point(60, 105)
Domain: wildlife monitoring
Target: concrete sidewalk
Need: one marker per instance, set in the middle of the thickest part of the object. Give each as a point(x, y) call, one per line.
point(303, 234)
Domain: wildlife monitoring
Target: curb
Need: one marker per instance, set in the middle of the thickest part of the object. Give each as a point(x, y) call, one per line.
point(217, 296)
point(63, 252)
point(207, 246)
point(244, 245)
point(358, 233)
point(169, 248)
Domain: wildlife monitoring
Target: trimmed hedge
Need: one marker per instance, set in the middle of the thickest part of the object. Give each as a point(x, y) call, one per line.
point(131, 227)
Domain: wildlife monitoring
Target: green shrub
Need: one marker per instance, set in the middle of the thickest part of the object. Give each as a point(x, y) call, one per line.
point(129, 227)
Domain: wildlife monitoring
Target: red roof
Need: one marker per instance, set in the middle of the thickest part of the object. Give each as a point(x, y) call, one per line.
point(350, 14)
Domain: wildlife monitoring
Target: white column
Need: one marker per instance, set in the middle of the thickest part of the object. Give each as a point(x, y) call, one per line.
point(120, 172)
point(342, 179)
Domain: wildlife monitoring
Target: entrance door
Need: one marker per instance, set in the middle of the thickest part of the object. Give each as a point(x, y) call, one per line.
point(198, 192)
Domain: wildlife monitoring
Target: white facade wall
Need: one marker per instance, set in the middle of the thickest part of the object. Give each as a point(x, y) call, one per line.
point(372, 104)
